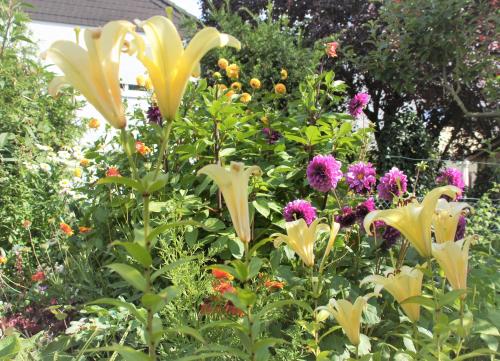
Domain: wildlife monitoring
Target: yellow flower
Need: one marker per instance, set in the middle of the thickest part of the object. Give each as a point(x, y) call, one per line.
point(280, 88)
point(236, 86)
point(453, 257)
point(222, 87)
point(230, 93)
point(402, 284)
point(445, 220)
point(223, 63)
point(283, 74)
point(84, 162)
point(233, 71)
point(233, 184)
point(77, 172)
point(140, 80)
point(94, 72)
point(413, 220)
point(245, 98)
point(94, 123)
point(264, 120)
point(301, 238)
point(217, 75)
point(255, 83)
point(3, 260)
point(331, 241)
point(347, 315)
point(170, 65)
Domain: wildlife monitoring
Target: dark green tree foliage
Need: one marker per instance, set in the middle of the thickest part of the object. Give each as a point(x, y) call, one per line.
point(28, 116)
point(435, 54)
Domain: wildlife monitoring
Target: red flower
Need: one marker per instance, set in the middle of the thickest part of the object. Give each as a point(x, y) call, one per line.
point(113, 172)
point(38, 277)
point(331, 49)
point(66, 228)
point(231, 309)
point(223, 287)
point(220, 274)
point(274, 285)
point(141, 148)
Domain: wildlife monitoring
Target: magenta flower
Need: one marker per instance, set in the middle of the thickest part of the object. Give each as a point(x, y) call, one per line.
point(347, 218)
point(271, 135)
point(361, 177)
point(364, 208)
point(393, 183)
point(323, 173)
point(451, 176)
point(299, 209)
point(358, 103)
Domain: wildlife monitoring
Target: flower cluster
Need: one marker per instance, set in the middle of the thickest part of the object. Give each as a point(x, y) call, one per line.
point(361, 177)
point(323, 173)
point(392, 184)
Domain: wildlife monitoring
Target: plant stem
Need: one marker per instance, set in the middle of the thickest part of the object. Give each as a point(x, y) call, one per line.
point(163, 148)
point(147, 276)
point(436, 310)
point(325, 200)
point(123, 138)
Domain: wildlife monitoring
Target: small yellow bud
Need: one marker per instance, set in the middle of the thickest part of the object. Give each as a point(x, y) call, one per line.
point(77, 172)
point(217, 75)
point(284, 74)
point(255, 83)
point(280, 88)
point(264, 120)
point(222, 63)
point(245, 98)
point(94, 123)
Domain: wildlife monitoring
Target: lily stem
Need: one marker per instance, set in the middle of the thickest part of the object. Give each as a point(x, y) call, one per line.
point(163, 147)
point(149, 285)
point(128, 152)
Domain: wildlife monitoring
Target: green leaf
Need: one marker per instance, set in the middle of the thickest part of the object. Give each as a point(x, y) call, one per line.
point(213, 225)
point(266, 343)
point(296, 138)
point(226, 152)
point(9, 347)
point(165, 227)
point(254, 267)
point(130, 274)
point(261, 206)
point(136, 251)
point(450, 297)
point(157, 207)
point(117, 303)
point(171, 266)
point(128, 353)
point(258, 245)
point(421, 300)
point(186, 330)
point(129, 182)
point(152, 182)
point(247, 297)
point(241, 270)
point(283, 303)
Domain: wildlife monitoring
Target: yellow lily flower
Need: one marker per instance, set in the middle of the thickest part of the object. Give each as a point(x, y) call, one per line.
point(348, 316)
point(407, 282)
point(445, 220)
point(453, 257)
point(94, 72)
point(301, 238)
point(170, 65)
point(413, 220)
point(233, 184)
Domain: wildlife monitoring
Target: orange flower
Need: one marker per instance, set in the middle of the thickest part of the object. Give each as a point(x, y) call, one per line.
point(331, 49)
point(83, 229)
point(141, 148)
point(255, 83)
point(26, 224)
point(223, 287)
point(236, 86)
point(38, 277)
point(280, 88)
point(220, 274)
point(66, 228)
point(3, 260)
point(113, 172)
point(229, 94)
point(274, 285)
point(222, 87)
point(233, 71)
point(245, 98)
point(231, 309)
point(222, 63)
point(94, 123)
point(84, 162)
